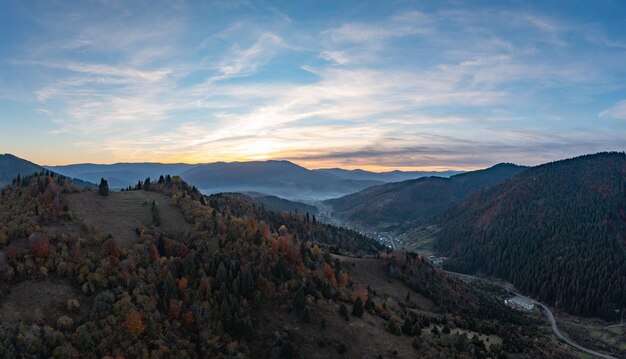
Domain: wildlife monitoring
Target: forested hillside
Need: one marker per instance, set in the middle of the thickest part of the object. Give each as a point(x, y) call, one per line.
point(11, 166)
point(405, 205)
point(280, 205)
point(243, 282)
point(557, 231)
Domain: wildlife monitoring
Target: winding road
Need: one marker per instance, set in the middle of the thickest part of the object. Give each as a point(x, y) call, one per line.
point(550, 317)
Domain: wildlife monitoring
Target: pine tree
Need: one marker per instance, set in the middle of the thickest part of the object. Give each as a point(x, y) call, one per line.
point(407, 327)
point(103, 188)
point(357, 309)
point(306, 317)
point(299, 301)
point(343, 311)
point(156, 217)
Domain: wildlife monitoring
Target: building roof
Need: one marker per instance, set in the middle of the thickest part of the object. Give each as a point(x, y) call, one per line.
point(522, 301)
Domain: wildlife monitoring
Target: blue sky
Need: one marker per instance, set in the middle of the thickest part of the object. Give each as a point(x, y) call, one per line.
point(355, 84)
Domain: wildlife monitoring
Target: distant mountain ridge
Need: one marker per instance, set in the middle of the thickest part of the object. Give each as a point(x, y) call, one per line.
point(390, 176)
point(557, 231)
point(120, 175)
point(405, 205)
point(274, 177)
point(11, 166)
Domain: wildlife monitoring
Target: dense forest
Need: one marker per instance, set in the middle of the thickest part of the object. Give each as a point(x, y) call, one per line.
point(406, 205)
point(557, 231)
point(206, 294)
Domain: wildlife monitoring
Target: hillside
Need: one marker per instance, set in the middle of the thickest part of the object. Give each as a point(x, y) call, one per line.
point(11, 166)
point(281, 205)
point(225, 279)
point(405, 205)
point(557, 231)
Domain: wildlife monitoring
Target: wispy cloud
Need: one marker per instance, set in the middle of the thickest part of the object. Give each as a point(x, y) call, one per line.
point(245, 61)
point(411, 23)
point(616, 112)
point(455, 86)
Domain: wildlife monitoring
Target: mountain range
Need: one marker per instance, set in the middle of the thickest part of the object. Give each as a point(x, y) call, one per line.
point(401, 206)
point(278, 178)
point(391, 176)
point(556, 231)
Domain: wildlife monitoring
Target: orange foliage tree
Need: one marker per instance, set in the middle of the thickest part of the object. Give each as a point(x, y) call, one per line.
point(39, 245)
point(329, 275)
point(343, 279)
point(134, 323)
point(359, 291)
point(153, 252)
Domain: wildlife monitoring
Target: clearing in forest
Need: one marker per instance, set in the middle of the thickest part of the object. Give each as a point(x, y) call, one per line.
point(371, 271)
point(121, 213)
point(35, 300)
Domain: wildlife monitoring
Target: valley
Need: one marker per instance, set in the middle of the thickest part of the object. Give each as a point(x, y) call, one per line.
point(355, 179)
point(124, 253)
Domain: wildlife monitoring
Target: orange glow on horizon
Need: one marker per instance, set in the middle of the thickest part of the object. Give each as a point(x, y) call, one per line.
point(198, 159)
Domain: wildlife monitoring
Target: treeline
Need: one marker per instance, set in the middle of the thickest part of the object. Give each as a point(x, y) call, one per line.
point(556, 231)
point(304, 226)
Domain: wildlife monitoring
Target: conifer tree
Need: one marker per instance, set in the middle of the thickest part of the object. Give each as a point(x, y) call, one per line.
point(103, 188)
point(357, 309)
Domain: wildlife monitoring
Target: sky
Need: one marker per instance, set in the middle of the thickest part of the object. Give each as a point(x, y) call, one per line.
point(377, 85)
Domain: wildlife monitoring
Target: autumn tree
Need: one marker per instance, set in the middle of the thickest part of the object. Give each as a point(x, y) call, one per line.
point(134, 323)
point(39, 245)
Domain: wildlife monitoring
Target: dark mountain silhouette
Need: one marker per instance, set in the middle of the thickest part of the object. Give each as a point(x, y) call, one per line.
point(557, 231)
point(409, 204)
point(11, 166)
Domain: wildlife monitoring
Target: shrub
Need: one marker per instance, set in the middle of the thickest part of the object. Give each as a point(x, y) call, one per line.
point(64, 322)
point(73, 305)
